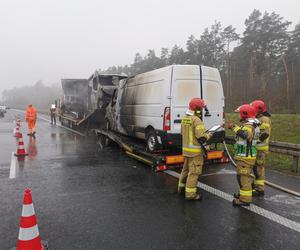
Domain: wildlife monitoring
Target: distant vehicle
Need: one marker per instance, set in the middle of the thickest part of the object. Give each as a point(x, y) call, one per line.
point(75, 97)
point(151, 105)
point(3, 108)
point(84, 100)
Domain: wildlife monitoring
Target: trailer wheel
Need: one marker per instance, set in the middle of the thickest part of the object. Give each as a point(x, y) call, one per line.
point(152, 142)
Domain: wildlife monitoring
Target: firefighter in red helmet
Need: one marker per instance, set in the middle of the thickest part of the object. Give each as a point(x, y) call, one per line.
point(245, 153)
point(262, 146)
point(193, 135)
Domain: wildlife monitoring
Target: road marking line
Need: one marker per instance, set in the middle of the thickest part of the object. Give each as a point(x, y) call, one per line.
point(61, 126)
point(253, 208)
point(13, 162)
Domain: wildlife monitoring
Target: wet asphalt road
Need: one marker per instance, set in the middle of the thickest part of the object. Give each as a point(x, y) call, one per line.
point(85, 198)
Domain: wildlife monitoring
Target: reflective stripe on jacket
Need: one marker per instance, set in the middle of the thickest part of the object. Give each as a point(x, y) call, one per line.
point(266, 128)
point(192, 128)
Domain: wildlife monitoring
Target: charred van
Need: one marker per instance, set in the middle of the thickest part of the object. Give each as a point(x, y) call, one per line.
point(151, 105)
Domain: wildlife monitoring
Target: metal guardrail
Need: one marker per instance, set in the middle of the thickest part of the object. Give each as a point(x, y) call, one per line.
point(284, 148)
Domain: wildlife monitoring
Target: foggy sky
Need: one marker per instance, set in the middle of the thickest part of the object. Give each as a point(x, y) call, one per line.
point(54, 39)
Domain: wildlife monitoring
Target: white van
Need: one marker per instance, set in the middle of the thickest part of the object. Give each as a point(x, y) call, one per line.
point(151, 105)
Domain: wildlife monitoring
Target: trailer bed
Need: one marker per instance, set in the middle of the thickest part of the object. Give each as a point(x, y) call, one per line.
point(159, 160)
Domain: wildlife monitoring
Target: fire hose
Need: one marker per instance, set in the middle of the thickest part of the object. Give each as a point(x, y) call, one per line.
point(270, 184)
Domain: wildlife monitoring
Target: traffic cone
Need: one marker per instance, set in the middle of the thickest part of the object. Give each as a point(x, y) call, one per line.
point(29, 238)
point(19, 122)
point(20, 148)
point(17, 132)
point(17, 128)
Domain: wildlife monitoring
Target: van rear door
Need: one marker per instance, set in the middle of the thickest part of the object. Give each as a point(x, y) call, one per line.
point(212, 91)
point(186, 84)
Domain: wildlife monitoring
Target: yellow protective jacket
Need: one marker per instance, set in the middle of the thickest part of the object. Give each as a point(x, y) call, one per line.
point(265, 127)
point(192, 128)
point(245, 149)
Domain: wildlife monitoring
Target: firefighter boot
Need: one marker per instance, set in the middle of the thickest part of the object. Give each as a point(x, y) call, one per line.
point(181, 191)
point(257, 193)
point(238, 203)
point(236, 195)
point(198, 197)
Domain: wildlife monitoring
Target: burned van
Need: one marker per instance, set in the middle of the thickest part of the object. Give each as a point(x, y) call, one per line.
point(151, 105)
point(101, 88)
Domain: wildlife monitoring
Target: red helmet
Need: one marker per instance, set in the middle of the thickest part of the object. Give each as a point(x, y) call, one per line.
point(196, 104)
point(246, 111)
point(259, 106)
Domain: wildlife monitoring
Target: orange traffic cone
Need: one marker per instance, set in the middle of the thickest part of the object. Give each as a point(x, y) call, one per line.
point(29, 238)
point(19, 122)
point(17, 132)
point(20, 148)
point(17, 128)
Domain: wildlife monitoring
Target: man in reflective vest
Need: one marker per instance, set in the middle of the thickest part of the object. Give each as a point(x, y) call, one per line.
point(53, 114)
point(245, 153)
point(31, 116)
point(262, 146)
point(193, 135)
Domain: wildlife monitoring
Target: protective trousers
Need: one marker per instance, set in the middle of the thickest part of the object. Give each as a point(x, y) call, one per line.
point(188, 179)
point(245, 180)
point(31, 126)
point(259, 171)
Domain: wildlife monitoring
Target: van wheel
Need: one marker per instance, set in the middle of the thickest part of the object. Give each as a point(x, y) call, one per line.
point(152, 142)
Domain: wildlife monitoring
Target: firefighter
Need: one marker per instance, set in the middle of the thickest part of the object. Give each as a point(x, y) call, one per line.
point(193, 135)
point(31, 116)
point(245, 153)
point(262, 146)
point(53, 114)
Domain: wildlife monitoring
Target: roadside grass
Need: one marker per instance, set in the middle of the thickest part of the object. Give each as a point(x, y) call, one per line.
point(285, 128)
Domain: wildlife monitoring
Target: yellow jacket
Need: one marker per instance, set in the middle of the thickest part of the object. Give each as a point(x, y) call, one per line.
point(192, 128)
point(265, 127)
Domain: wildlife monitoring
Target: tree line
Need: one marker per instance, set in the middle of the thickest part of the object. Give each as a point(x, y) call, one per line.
point(40, 95)
point(263, 62)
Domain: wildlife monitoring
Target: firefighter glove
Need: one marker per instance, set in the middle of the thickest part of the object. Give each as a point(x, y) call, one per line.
point(202, 139)
point(263, 136)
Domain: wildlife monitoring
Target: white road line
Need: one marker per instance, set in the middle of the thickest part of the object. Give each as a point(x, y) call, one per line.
point(13, 167)
point(61, 126)
point(253, 208)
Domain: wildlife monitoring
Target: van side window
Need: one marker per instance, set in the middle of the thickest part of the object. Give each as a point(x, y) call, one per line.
point(95, 84)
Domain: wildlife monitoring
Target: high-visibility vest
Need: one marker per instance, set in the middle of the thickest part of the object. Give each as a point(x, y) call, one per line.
point(192, 128)
point(265, 127)
point(31, 113)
